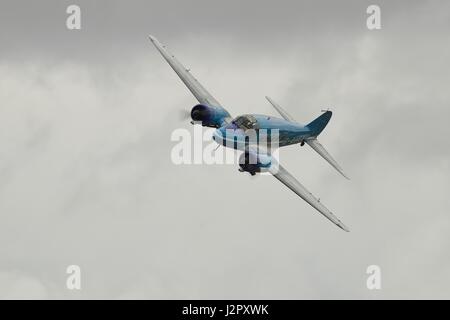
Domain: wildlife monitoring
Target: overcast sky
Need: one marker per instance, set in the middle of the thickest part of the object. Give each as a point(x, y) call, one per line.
point(86, 176)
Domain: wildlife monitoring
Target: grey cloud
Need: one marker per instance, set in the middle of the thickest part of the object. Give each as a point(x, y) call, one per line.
point(14, 286)
point(85, 122)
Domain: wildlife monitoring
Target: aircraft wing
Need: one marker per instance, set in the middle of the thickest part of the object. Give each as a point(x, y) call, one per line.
point(200, 93)
point(289, 180)
point(279, 172)
point(317, 146)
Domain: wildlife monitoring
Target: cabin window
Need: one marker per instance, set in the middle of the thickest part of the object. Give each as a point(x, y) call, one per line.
point(245, 122)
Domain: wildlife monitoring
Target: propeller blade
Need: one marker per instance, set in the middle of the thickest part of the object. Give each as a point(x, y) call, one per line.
point(184, 115)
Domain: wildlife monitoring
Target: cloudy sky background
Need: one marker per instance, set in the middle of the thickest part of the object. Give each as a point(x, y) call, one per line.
point(86, 176)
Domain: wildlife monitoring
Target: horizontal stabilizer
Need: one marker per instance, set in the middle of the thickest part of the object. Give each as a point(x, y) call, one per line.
point(280, 110)
point(315, 144)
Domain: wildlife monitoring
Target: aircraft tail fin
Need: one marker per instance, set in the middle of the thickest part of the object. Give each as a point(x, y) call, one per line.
point(317, 125)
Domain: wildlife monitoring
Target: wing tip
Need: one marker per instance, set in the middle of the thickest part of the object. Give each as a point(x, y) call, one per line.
point(343, 226)
point(270, 100)
point(344, 175)
point(154, 40)
point(340, 224)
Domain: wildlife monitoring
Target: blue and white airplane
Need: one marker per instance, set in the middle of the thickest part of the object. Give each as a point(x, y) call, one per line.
point(256, 158)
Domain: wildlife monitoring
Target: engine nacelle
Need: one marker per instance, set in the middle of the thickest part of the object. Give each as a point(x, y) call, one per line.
point(252, 163)
point(209, 116)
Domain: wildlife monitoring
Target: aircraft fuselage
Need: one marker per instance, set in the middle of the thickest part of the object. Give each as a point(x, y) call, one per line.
point(256, 128)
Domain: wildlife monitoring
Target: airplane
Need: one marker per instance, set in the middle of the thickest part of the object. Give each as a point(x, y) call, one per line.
point(256, 159)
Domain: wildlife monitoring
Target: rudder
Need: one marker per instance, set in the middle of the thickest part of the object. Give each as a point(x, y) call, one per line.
point(317, 125)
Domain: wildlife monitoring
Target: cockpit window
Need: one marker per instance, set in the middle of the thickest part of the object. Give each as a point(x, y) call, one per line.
point(246, 122)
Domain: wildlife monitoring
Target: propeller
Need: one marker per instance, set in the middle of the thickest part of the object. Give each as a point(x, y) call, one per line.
point(184, 114)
